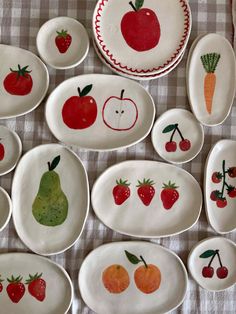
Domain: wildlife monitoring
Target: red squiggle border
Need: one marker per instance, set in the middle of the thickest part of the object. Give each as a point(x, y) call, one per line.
point(183, 41)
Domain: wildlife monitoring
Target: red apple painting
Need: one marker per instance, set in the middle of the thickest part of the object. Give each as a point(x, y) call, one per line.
point(140, 27)
point(119, 113)
point(80, 112)
point(2, 151)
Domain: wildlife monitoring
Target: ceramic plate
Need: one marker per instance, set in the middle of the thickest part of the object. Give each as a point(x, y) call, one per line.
point(62, 42)
point(177, 136)
point(126, 195)
point(5, 208)
point(127, 32)
point(212, 263)
point(37, 285)
point(220, 186)
point(132, 277)
point(10, 150)
point(210, 94)
point(50, 196)
point(100, 112)
point(24, 79)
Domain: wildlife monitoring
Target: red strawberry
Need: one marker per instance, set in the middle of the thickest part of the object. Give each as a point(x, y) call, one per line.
point(169, 195)
point(63, 41)
point(15, 289)
point(1, 287)
point(146, 191)
point(121, 192)
point(215, 195)
point(221, 202)
point(232, 172)
point(231, 190)
point(216, 177)
point(36, 286)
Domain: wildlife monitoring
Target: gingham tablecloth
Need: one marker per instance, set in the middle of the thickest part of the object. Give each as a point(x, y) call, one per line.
point(20, 21)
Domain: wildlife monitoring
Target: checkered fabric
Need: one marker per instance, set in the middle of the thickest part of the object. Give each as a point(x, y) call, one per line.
point(20, 21)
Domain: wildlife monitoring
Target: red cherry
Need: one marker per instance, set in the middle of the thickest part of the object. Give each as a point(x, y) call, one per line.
point(222, 272)
point(185, 145)
point(215, 195)
point(221, 202)
point(208, 272)
point(171, 146)
point(216, 177)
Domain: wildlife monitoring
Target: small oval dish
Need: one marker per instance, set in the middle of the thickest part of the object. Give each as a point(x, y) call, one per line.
point(212, 263)
point(211, 79)
point(29, 284)
point(50, 196)
point(127, 194)
point(5, 208)
point(134, 277)
point(177, 136)
point(10, 150)
point(220, 186)
point(62, 42)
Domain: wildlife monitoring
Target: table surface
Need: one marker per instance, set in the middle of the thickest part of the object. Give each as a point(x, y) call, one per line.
point(20, 21)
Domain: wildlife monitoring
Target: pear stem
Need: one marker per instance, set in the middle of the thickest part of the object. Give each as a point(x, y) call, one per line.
point(133, 7)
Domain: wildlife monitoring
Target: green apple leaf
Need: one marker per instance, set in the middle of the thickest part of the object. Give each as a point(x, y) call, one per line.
point(138, 4)
point(169, 128)
point(207, 254)
point(86, 90)
point(132, 258)
point(54, 163)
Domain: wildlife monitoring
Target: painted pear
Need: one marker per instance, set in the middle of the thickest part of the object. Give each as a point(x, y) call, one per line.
point(50, 207)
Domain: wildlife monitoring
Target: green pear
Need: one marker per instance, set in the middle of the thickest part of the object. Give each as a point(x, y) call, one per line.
point(50, 207)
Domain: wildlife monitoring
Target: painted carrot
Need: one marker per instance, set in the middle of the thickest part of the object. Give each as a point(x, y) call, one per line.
point(210, 62)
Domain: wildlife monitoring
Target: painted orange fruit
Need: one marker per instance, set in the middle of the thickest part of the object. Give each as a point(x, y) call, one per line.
point(147, 278)
point(115, 278)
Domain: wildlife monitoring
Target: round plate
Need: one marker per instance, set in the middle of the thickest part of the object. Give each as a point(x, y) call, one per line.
point(49, 212)
point(212, 263)
point(5, 208)
point(62, 42)
point(10, 149)
point(177, 136)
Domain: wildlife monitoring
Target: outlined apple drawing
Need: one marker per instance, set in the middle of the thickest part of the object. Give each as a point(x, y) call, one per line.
point(140, 27)
point(119, 113)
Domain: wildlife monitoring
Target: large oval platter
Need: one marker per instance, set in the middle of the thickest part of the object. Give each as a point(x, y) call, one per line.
point(100, 112)
point(132, 277)
point(50, 196)
point(22, 294)
point(147, 199)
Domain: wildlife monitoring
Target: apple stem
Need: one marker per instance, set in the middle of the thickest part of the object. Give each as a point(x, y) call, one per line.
point(133, 7)
point(173, 133)
point(122, 94)
point(212, 258)
point(145, 264)
point(217, 252)
point(79, 91)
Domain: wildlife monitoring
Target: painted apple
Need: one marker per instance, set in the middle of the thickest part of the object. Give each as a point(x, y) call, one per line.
point(2, 151)
point(140, 28)
point(119, 113)
point(80, 112)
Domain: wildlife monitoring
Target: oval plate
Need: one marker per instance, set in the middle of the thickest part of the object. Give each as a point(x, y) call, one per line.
point(220, 186)
point(21, 95)
point(49, 212)
point(100, 112)
point(124, 202)
point(5, 208)
point(54, 281)
point(132, 292)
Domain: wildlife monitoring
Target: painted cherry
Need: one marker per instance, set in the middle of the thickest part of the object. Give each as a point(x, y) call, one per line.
point(222, 272)
point(185, 145)
point(208, 272)
point(2, 151)
point(171, 146)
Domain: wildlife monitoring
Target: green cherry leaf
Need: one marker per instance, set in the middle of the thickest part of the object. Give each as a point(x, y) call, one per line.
point(138, 4)
point(169, 128)
point(86, 90)
point(207, 254)
point(132, 258)
point(55, 162)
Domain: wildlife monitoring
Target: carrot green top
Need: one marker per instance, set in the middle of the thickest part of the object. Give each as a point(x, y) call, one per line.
point(210, 61)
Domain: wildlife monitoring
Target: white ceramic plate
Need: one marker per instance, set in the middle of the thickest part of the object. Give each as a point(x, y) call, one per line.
point(10, 149)
point(110, 283)
point(127, 208)
point(51, 293)
point(212, 263)
point(100, 112)
point(62, 42)
point(5, 208)
point(21, 91)
point(177, 136)
point(50, 196)
point(220, 186)
point(128, 33)
point(212, 79)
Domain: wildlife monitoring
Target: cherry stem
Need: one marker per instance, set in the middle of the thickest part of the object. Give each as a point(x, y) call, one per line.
point(173, 133)
point(224, 181)
point(133, 7)
point(217, 252)
point(182, 138)
point(122, 94)
point(145, 264)
point(49, 166)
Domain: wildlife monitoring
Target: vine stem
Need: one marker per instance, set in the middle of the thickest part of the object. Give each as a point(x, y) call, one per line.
point(224, 181)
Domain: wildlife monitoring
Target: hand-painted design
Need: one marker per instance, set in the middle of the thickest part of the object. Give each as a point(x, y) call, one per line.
point(119, 113)
point(50, 207)
point(2, 150)
point(171, 146)
point(121, 192)
point(36, 286)
point(208, 271)
point(210, 62)
point(147, 277)
point(15, 289)
point(18, 82)
point(146, 191)
point(80, 112)
point(218, 177)
point(169, 195)
point(63, 41)
point(115, 279)
point(1, 286)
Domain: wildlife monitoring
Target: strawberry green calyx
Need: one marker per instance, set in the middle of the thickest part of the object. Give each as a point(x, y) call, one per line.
point(32, 278)
point(121, 182)
point(15, 280)
point(170, 186)
point(145, 182)
point(63, 33)
point(21, 71)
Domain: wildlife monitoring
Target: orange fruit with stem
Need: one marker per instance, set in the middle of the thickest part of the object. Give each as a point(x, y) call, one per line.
point(115, 278)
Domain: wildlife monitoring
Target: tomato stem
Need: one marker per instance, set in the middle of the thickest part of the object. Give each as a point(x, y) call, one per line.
point(133, 7)
point(224, 180)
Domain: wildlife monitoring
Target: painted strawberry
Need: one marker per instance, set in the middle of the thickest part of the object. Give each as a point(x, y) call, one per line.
point(146, 191)
point(36, 286)
point(169, 195)
point(231, 190)
point(63, 40)
point(1, 286)
point(121, 192)
point(15, 289)
point(232, 172)
point(221, 202)
point(216, 177)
